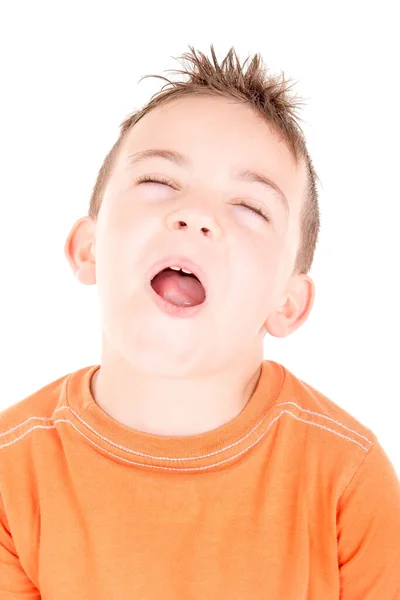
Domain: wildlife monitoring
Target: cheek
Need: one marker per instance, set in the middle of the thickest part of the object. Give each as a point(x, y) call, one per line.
point(248, 268)
point(256, 267)
point(128, 228)
point(123, 214)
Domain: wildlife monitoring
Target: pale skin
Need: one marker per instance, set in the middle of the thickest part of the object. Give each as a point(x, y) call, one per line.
point(181, 377)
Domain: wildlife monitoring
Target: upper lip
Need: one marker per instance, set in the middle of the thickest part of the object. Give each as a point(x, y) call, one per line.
point(184, 262)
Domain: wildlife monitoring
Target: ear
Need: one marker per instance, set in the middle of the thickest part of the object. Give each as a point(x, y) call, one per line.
point(79, 250)
point(296, 308)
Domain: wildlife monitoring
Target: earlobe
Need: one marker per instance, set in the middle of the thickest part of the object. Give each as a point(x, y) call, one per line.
point(86, 274)
point(277, 324)
point(295, 311)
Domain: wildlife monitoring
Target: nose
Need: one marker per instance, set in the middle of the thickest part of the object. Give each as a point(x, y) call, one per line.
point(196, 220)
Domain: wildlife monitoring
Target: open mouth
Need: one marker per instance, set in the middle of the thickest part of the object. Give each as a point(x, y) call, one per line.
point(178, 287)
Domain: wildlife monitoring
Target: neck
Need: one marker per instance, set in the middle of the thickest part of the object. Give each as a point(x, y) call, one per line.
point(174, 406)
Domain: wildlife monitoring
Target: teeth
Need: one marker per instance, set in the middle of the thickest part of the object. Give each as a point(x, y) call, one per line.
point(179, 269)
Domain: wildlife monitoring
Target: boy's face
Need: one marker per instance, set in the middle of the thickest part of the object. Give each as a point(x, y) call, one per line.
point(248, 261)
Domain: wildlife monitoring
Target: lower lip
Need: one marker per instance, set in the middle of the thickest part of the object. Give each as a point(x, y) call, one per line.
point(175, 311)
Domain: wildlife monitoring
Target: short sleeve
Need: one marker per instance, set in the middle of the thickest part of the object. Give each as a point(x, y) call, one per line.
point(14, 582)
point(368, 531)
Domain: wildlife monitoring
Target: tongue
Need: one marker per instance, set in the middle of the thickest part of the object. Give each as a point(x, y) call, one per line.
point(181, 290)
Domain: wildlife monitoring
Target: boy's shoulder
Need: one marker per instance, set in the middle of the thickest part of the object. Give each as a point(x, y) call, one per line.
point(38, 406)
point(315, 406)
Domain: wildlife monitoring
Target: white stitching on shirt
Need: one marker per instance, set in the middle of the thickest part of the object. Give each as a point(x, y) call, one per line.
point(178, 459)
point(311, 412)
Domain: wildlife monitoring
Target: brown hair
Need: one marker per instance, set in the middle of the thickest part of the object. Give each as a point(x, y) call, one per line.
point(266, 94)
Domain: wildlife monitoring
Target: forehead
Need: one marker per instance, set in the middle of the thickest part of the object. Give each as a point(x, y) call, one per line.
point(218, 135)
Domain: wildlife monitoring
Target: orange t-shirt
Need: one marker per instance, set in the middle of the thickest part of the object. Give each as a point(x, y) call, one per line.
point(293, 499)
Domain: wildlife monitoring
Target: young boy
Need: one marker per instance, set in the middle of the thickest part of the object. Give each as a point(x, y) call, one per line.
point(185, 465)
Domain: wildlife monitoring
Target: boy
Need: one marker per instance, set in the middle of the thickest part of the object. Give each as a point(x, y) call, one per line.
point(186, 466)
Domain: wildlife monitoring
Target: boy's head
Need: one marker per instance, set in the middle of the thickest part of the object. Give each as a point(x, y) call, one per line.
point(222, 122)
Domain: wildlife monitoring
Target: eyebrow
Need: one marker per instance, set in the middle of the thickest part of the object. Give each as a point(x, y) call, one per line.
point(182, 161)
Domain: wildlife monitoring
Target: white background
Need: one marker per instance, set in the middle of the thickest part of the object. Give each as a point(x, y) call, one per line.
point(69, 77)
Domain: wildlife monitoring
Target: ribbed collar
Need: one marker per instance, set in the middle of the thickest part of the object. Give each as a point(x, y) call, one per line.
point(210, 450)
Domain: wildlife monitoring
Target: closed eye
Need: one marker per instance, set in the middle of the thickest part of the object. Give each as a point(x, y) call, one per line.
point(255, 209)
point(152, 179)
